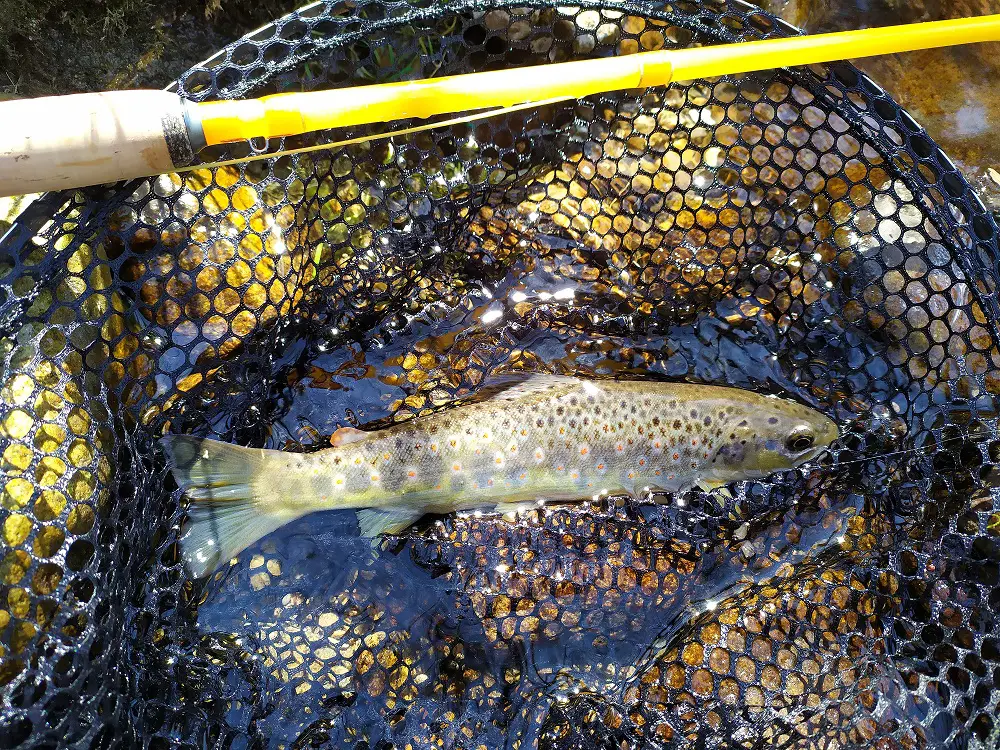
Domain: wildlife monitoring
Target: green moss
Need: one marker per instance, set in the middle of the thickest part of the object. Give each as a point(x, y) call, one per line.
point(62, 46)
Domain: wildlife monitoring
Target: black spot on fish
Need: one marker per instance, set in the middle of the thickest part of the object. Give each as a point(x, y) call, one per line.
point(707, 421)
point(572, 423)
point(540, 422)
point(677, 424)
point(656, 421)
point(694, 414)
point(560, 411)
point(573, 401)
point(773, 420)
point(742, 424)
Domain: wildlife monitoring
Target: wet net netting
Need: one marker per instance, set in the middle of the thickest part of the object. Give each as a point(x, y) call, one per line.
point(787, 232)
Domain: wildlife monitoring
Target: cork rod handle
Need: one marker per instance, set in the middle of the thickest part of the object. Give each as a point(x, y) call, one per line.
point(58, 142)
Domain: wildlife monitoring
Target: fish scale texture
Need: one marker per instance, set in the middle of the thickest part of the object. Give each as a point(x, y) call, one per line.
point(787, 232)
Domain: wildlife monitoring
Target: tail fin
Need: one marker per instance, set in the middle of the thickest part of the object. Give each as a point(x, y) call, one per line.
point(225, 516)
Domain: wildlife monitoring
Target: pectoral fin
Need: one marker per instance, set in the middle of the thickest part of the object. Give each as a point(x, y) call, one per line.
point(707, 485)
point(510, 511)
point(373, 522)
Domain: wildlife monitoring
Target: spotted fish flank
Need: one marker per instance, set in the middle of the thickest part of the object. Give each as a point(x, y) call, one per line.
point(540, 437)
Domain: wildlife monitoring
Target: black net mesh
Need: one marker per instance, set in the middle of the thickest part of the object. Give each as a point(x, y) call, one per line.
point(792, 232)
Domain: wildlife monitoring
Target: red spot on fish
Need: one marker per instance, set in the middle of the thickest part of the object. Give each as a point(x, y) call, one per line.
point(411, 474)
point(524, 476)
point(694, 442)
point(677, 456)
point(584, 451)
point(642, 462)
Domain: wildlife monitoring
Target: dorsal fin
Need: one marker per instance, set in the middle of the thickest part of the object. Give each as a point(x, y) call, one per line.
point(346, 436)
point(512, 387)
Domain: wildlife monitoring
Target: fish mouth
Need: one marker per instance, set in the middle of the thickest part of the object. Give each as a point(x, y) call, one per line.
point(788, 462)
point(810, 454)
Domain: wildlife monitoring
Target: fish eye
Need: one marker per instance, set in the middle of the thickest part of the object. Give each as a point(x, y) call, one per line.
point(800, 440)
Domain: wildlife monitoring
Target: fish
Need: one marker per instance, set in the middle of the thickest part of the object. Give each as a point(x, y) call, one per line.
point(522, 440)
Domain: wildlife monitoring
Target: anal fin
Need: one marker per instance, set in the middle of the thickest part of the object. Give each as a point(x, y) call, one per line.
point(707, 485)
point(373, 522)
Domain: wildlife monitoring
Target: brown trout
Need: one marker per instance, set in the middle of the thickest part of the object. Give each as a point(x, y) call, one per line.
point(536, 438)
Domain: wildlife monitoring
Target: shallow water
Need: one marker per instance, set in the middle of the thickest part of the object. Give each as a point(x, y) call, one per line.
point(615, 619)
point(736, 232)
point(474, 629)
point(950, 91)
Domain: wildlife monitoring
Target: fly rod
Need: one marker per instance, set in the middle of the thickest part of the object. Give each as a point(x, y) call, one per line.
point(53, 143)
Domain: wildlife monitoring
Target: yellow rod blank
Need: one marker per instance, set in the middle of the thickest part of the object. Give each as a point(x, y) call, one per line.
point(302, 112)
point(732, 59)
